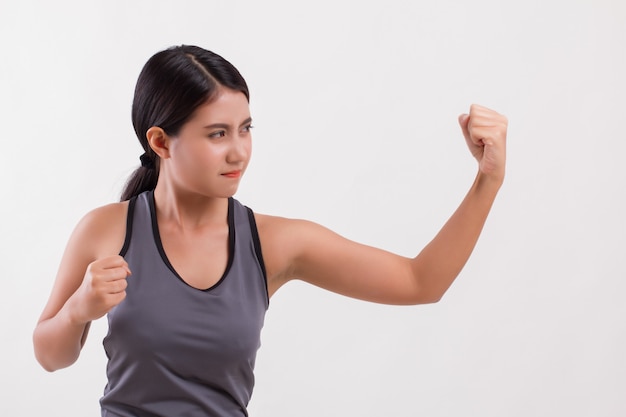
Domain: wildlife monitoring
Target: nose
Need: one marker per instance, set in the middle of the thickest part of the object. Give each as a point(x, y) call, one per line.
point(239, 150)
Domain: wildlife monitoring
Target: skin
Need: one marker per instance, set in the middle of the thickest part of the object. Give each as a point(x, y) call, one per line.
point(199, 169)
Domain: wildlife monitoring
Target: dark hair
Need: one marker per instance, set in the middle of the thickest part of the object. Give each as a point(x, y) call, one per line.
point(171, 86)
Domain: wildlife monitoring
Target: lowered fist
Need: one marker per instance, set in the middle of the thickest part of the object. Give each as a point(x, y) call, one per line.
point(103, 287)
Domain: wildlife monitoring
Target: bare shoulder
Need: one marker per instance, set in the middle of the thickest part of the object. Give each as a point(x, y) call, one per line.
point(103, 229)
point(285, 232)
point(105, 214)
point(279, 243)
point(276, 226)
point(273, 232)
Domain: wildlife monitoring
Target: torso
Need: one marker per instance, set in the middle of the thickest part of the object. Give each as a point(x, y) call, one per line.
point(180, 342)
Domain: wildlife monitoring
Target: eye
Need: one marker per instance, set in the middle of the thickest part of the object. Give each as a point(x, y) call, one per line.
point(247, 128)
point(218, 134)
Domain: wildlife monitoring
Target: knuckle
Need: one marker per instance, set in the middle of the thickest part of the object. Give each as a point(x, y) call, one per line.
point(119, 297)
point(91, 267)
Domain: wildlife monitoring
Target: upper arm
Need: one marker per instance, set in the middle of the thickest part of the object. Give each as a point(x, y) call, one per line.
point(307, 251)
point(100, 233)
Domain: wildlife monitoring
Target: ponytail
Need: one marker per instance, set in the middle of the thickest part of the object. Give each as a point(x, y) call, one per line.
point(143, 179)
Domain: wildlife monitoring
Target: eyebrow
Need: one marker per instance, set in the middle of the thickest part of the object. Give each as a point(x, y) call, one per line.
point(226, 126)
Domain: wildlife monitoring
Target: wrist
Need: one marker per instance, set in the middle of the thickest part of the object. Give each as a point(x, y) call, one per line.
point(489, 182)
point(70, 316)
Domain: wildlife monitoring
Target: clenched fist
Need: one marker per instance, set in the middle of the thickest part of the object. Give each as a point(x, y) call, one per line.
point(485, 134)
point(103, 287)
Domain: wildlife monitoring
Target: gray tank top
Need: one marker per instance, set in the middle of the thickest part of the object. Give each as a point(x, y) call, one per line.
point(175, 350)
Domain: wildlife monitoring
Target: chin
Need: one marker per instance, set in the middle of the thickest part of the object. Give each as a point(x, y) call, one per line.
point(224, 193)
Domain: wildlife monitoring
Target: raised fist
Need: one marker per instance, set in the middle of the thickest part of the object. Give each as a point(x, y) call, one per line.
point(485, 134)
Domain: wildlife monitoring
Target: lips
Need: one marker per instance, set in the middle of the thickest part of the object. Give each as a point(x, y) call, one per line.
point(232, 174)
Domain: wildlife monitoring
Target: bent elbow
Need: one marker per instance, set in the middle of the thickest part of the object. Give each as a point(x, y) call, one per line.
point(42, 360)
point(45, 357)
point(41, 357)
point(433, 300)
point(48, 364)
point(429, 297)
point(46, 367)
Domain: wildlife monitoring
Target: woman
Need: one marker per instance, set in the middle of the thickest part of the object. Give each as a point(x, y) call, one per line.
point(184, 272)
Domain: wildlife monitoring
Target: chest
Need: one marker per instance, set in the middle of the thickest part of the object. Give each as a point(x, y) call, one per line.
point(200, 258)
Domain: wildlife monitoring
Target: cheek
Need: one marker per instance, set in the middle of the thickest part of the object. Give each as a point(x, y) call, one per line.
point(203, 153)
point(248, 148)
point(189, 160)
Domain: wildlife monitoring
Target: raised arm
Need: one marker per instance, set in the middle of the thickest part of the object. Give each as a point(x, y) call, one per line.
point(304, 250)
point(90, 281)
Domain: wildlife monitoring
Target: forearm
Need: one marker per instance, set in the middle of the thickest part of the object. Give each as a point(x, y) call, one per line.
point(58, 340)
point(439, 263)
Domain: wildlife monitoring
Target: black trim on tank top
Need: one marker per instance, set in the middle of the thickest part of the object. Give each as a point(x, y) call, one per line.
point(130, 214)
point(159, 244)
point(257, 249)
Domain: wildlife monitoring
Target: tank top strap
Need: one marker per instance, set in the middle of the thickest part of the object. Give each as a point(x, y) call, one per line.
point(247, 235)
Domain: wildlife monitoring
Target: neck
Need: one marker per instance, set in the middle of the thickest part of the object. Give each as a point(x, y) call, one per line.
point(188, 210)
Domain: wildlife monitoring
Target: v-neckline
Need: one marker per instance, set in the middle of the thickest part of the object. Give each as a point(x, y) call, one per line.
point(159, 243)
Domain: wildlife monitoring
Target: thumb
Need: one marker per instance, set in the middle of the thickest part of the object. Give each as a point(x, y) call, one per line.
point(464, 123)
point(476, 150)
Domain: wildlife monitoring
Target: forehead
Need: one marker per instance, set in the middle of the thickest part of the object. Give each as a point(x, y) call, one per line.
point(228, 106)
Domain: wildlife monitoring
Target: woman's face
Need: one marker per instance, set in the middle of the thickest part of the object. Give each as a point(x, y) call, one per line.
point(212, 150)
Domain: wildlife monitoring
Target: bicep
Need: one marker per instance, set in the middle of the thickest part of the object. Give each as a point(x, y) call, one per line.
point(319, 256)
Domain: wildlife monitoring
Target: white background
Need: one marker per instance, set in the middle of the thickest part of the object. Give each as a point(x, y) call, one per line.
point(355, 106)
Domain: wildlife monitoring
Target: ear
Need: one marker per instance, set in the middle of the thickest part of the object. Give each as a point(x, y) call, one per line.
point(159, 141)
